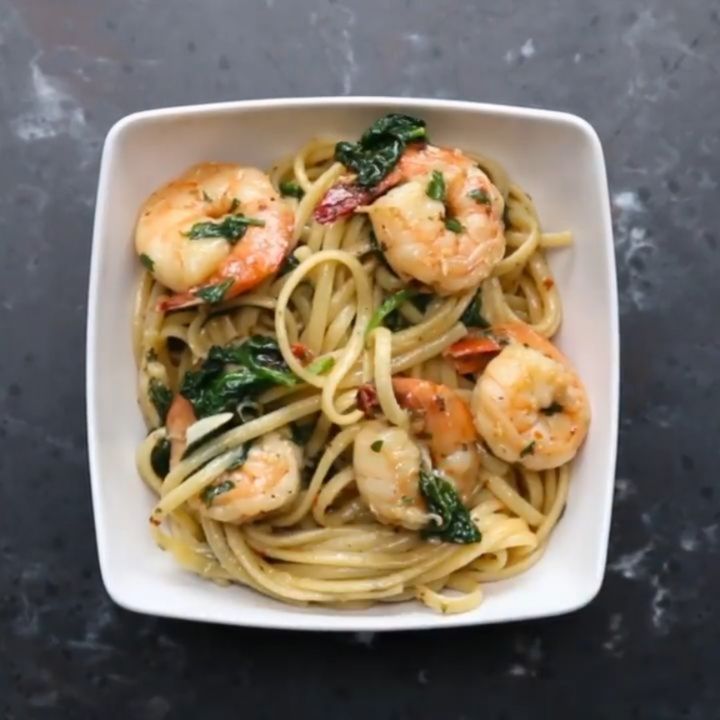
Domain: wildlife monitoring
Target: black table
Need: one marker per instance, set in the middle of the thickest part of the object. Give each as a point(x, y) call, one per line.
point(646, 74)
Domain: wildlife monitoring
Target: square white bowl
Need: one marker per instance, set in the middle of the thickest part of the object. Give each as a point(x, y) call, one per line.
point(555, 156)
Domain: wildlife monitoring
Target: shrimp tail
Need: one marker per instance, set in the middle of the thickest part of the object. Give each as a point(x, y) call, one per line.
point(471, 354)
point(344, 198)
point(341, 200)
point(168, 303)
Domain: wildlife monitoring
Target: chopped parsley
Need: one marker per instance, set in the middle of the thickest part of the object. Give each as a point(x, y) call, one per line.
point(454, 225)
point(480, 196)
point(321, 365)
point(148, 262)
point(436, 187)
point(376, 446)
point(289, 188)
point(529, 449)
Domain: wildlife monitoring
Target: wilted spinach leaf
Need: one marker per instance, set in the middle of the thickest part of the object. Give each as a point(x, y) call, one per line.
point(443, 500)
point(472, 317)
point(232, 228)
point(380, 147)
point(160, 397)
point(235, 373)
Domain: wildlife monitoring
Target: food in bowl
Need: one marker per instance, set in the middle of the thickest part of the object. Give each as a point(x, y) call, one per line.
point(347, 372)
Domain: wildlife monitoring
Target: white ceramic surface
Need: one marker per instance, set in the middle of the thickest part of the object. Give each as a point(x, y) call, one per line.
point(554, 156)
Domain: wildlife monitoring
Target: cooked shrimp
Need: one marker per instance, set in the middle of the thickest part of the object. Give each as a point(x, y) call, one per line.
point(387, 472)
point(268, 480)
point(248, 226)
point(387, 459)
point(451, 243)
point(529, 404)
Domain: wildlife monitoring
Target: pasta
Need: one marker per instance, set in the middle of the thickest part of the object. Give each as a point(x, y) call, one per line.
point(291, 487)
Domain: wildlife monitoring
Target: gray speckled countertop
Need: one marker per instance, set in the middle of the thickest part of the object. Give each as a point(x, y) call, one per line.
point(646, 74)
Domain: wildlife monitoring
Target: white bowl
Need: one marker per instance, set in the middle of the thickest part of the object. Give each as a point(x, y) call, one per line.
point(555, 156)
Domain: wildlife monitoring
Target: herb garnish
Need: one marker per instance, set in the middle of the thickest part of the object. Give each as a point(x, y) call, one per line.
point(454, 225)
point(376, 446)
point(289, 188)
point(148, 262)
point(321, 366)
point(436, 186)
point(529, 449)
point(232, 228)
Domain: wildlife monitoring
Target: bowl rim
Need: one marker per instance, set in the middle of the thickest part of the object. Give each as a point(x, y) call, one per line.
point(321, 622)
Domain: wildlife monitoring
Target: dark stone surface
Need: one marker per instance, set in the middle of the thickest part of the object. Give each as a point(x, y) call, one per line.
point(646, 74)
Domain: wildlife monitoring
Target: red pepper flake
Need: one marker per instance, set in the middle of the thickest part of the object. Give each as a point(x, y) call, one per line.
point(302, 352)
point(367, 400)
point(548, 282)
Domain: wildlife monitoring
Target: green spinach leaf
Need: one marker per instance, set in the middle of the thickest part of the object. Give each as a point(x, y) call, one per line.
point(443, 500)
point(214, 293)
point(472, 317)
point(160, 397)
point(232, 228)
point(390, 304)
point(380, 147)
point(288, 265)
point(235, 373)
